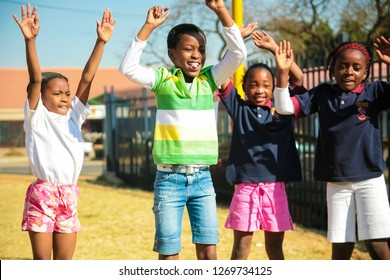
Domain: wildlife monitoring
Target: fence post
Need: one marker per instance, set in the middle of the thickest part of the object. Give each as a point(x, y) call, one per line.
point(110, 125)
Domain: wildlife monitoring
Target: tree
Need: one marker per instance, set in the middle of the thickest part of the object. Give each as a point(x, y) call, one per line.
point(366, 21)
point(314, 27)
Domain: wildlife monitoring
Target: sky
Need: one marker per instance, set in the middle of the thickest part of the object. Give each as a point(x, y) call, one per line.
point(68, 30)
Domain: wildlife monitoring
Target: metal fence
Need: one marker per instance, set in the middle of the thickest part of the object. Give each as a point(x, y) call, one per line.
point(129, 127)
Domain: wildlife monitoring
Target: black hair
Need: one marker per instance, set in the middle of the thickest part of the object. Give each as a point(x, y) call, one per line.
point(261, 66)
point(47, 77)
point(331, 59)
point(176, 32)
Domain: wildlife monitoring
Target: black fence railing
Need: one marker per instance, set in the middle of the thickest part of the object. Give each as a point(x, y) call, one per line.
point(129, 127)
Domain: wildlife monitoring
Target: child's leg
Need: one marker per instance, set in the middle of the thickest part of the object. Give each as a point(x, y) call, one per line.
point(170, 197)
point(274, 245)
point(206, 252)
point(41, 244)
point(202, 211)
point(168, 257)
point(243, 218)
point(38, 218)
point(64, 245)
point(341, 208)
point(378, 249)
point(373, 216)
point(342, 251)
point(51, 208)
point(242, 245)
point(67, 222)
point(276, 218)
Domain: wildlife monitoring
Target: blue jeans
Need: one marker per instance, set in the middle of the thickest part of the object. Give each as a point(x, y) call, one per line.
point(174, 191)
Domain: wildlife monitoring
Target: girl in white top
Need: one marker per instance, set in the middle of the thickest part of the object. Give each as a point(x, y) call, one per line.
point(53, 119)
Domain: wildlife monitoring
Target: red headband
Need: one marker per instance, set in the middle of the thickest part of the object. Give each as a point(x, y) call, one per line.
point(355, 46)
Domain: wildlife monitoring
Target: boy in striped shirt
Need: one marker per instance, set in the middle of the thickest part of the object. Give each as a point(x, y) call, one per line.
point(185, 137)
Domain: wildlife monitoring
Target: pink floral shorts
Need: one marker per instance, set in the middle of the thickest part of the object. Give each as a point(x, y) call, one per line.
point(50, 207)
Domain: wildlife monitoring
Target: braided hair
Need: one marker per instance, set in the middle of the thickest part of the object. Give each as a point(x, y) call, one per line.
point(331, 60)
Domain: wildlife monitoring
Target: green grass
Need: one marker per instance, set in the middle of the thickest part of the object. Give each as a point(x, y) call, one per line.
point(118, 224)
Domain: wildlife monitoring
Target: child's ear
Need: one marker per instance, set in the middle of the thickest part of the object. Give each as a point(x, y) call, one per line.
point(331, 74)
point(366, 72)
point(170, 54)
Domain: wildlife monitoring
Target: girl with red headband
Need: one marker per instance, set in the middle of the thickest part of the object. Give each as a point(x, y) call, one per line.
point(349, 155)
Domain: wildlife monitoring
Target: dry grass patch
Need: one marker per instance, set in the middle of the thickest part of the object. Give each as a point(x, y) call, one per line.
point(118, 224)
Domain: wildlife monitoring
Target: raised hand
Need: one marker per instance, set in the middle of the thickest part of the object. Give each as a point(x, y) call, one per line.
point(246, 31)
point(284, 56)
point(29, 25)
point(264, 41)
point(215, 5)
point(105, 28)
point(382, 46)
point(157, 16)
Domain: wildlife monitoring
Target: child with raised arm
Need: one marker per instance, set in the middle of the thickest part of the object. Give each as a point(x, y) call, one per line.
point(185, 137)
point(263, 155)
point(349, 156)
point(53, 119)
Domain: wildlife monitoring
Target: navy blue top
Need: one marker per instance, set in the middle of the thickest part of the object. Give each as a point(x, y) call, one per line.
point(262, 147)
point(349, 146)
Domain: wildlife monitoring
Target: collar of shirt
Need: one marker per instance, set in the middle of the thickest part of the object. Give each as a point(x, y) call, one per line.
point(267, 105)
point(357, 90)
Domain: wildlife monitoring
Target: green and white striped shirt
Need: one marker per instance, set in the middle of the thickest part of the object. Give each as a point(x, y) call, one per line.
point(185, 130)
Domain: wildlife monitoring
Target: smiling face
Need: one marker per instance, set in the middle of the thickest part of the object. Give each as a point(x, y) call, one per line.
point(350, 69)
point(56, 96)
point(189, 54)
point(258, 86)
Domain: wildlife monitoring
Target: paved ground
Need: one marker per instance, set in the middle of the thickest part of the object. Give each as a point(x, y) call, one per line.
point(14, 161)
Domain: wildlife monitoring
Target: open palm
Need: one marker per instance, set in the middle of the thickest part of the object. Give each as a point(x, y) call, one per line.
point(284, 55)
point(106, 27)
point(382, 46)
point(29, 23)
point(264, 41)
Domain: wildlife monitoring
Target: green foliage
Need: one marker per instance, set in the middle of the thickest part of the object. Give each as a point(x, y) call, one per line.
point(313, 27)
point(316, 27)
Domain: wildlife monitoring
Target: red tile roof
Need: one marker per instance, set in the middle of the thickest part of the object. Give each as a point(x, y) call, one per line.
point(14, 81)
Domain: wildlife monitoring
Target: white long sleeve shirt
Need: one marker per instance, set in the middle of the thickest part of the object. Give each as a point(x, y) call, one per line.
point(221, 71)
point(283, 103)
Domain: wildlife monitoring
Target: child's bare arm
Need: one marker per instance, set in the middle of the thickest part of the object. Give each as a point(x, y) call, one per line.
point(29, 25)
point(219, 8)
point(247, 30)
point(156, 16)
point(284, 60)
point(264, 41)
point(105, 28)
point(382, 46)
point(296, 74)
